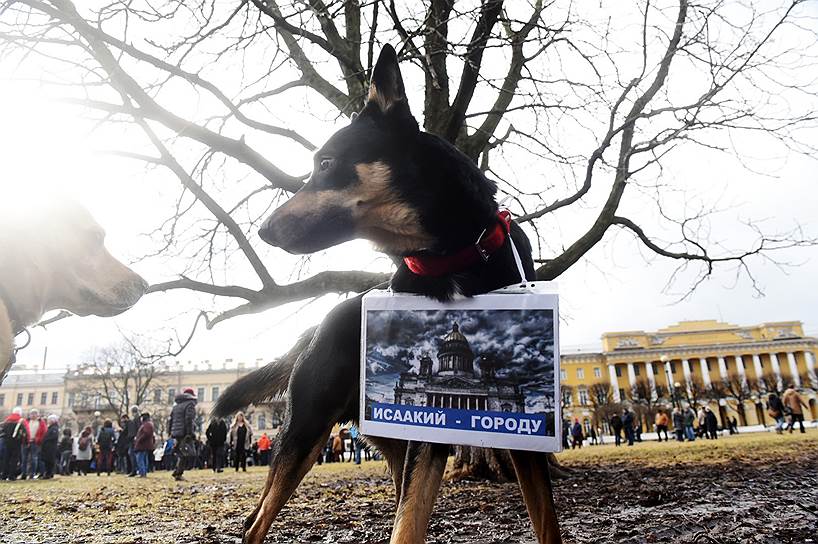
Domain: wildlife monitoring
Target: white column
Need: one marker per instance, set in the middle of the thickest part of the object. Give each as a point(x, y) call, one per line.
point(686, 371)
point(758, 369)
point(810, 357)
point(705, 372)
point(723, 368)
point(777, 371)
point(631, 375)
point(651, 380)
point(796, 378)
point(614, 383)
point(740, 370)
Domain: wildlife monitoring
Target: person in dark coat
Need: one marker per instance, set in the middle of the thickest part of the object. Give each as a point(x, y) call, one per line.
point(48, 453)
point(134, 423)
point(181, 423)
point(123, 443)
point(627, 425)
point(143, 444)
point(15, 434)
point(711, 425)
point(616, 427)
point(241, 440)
point(576, 434)
point(106, 439)
point(64, 449)
point(679, 424)
point(216, 437)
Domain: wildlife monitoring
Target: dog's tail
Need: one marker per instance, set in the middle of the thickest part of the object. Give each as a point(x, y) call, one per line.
point(266, 383)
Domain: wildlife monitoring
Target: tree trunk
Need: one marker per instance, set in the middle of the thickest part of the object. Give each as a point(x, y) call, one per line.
point(491, 464)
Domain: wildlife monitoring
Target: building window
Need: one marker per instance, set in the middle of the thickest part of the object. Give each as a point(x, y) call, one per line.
point(2, 399)
point(200, 393)
point(636, 370)
point(43, 398)
point(621, 393)
point(566, 398)
point(171, 394)
point(30, 399)
point(157, 396)
point(19, 399)
point(214, 393)
point(708, 365)
point(71, 398)
point(581, 373)
point(618, 369)
point(597, 372)
point(654, 369)
point(563, 375)
point(672, 367)
point(54, 396)
point(583, 395)
point(262, 422)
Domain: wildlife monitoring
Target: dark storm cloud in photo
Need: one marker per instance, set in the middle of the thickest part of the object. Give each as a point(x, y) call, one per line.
point(523, 340)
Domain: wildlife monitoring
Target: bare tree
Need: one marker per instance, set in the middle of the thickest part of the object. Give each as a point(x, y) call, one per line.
point(595, 105)
point(694, 390)
point(646, 399)
point(115, 377)
point(739, 388)
point(602, 402)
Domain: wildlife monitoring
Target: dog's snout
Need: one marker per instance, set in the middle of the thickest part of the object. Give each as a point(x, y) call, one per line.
point(268, 232)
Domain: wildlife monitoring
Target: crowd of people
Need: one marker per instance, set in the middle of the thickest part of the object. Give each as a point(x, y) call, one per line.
point(34, 447)
point(687, 423)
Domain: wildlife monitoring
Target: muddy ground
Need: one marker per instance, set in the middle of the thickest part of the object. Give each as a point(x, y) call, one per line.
point(750, 489)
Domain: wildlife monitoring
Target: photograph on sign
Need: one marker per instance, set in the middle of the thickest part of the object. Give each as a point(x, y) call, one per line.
point(479, 372)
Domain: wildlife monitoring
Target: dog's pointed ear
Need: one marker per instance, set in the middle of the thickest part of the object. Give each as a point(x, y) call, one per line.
point(386, 88)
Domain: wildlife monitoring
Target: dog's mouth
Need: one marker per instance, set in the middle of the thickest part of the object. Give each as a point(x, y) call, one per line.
point(124, 298)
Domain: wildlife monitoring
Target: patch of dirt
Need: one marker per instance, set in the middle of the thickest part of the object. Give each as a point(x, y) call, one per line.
point(745, 494)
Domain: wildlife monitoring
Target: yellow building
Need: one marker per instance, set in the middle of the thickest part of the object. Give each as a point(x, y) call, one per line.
point(732, 368)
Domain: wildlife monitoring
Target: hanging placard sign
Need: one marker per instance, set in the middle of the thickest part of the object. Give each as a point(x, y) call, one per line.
point(482, 371)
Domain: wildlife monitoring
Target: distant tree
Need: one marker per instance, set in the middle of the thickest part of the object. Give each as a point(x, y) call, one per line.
point(770, 382)
point(118, 376)
point(646, 399)
point(694, 391)
point(603, 406)
point(739, 389)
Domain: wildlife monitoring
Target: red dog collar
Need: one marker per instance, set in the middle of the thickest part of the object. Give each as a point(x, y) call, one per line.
point(490, 241)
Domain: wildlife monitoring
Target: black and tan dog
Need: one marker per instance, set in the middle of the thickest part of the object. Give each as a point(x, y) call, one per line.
point(420, 199)
point(53, 256)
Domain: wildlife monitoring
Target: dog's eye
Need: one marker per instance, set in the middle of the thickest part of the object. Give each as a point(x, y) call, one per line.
point(324, 164)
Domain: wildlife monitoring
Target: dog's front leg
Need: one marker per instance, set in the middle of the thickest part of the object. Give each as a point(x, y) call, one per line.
point(395, 453)
point(535, 483)
point(422, 474)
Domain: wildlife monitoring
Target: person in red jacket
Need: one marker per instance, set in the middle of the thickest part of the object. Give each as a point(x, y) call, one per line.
point(143, 444)
point(31, 451)
point(15, 436)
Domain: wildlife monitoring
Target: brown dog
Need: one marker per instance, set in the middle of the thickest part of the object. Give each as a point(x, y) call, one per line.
point(53, 256)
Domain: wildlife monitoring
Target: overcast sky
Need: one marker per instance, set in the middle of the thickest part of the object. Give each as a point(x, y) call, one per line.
point(618, 286)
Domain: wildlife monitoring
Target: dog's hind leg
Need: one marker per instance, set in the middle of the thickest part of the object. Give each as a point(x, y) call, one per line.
point(323, 389)
point(293, 456)
point(422, 474)
point(535, 483)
